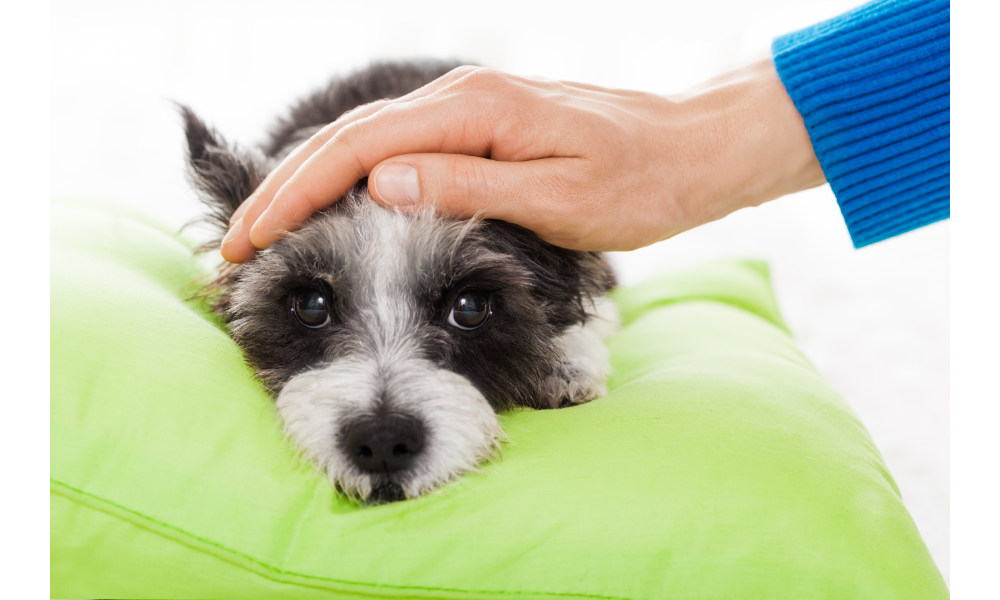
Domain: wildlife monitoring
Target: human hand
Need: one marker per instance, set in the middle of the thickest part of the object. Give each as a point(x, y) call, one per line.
point(583, 167)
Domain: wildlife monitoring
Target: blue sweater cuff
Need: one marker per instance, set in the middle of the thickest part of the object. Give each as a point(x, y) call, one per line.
point(873, 87)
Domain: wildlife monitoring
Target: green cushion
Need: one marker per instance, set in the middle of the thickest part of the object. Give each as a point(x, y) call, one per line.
point(719, 466)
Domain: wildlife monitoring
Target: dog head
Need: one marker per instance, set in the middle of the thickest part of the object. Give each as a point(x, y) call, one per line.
point(390, 340)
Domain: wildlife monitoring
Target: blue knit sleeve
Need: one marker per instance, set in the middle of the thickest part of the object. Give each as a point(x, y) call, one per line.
point(873, 87)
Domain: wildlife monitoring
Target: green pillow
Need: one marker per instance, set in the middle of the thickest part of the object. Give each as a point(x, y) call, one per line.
point(719, 466)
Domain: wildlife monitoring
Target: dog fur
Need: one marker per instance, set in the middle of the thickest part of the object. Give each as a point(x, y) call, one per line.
point(391, 366)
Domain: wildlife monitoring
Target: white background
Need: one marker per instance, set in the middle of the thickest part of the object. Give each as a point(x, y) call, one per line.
point(875, 321)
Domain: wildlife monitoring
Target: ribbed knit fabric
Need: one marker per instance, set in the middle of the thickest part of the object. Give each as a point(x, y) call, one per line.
point(873, 87)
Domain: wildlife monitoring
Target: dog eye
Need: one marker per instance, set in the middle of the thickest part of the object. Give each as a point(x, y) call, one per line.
point(311, 309)
point(471, 309)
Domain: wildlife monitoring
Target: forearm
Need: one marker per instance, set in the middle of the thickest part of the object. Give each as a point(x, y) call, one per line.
point(753, 145)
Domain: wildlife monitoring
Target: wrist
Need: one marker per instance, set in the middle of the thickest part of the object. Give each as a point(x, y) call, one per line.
point(750, 143)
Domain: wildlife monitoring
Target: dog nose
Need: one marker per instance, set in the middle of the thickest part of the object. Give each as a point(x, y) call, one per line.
point(384, 444)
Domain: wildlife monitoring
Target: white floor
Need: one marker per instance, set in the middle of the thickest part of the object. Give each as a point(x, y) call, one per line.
point(874, 321)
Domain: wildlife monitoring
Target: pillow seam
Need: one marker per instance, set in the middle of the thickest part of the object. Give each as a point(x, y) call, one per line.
point(273, 573)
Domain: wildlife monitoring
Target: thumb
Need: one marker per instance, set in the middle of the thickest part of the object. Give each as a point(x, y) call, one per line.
point(466, 186)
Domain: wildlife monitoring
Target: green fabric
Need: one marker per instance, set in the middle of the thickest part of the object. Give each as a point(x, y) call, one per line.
point(720, 465)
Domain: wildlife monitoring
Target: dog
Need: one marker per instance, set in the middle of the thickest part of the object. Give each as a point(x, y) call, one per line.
point(390, 341)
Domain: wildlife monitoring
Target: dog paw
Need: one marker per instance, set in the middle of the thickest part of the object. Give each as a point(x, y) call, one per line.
point(582, 374)
point(569, 386)
point(576, 381)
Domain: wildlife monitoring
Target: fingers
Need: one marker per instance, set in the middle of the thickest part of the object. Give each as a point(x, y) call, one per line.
point(537, 194)
point(450, 124)
point(237, 246)
point(268, 188)
point(264, 194)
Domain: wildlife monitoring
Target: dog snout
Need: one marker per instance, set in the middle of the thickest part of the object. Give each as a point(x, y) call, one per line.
point(384, 444)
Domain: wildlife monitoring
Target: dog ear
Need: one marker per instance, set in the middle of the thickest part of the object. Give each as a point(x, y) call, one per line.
point(567, 280)
point(223, 174)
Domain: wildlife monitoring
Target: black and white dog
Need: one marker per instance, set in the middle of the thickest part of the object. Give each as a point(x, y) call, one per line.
point(389, 340)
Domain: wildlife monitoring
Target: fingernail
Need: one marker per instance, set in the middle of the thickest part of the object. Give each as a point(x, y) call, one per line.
point(398, 184)
point(233, 231)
